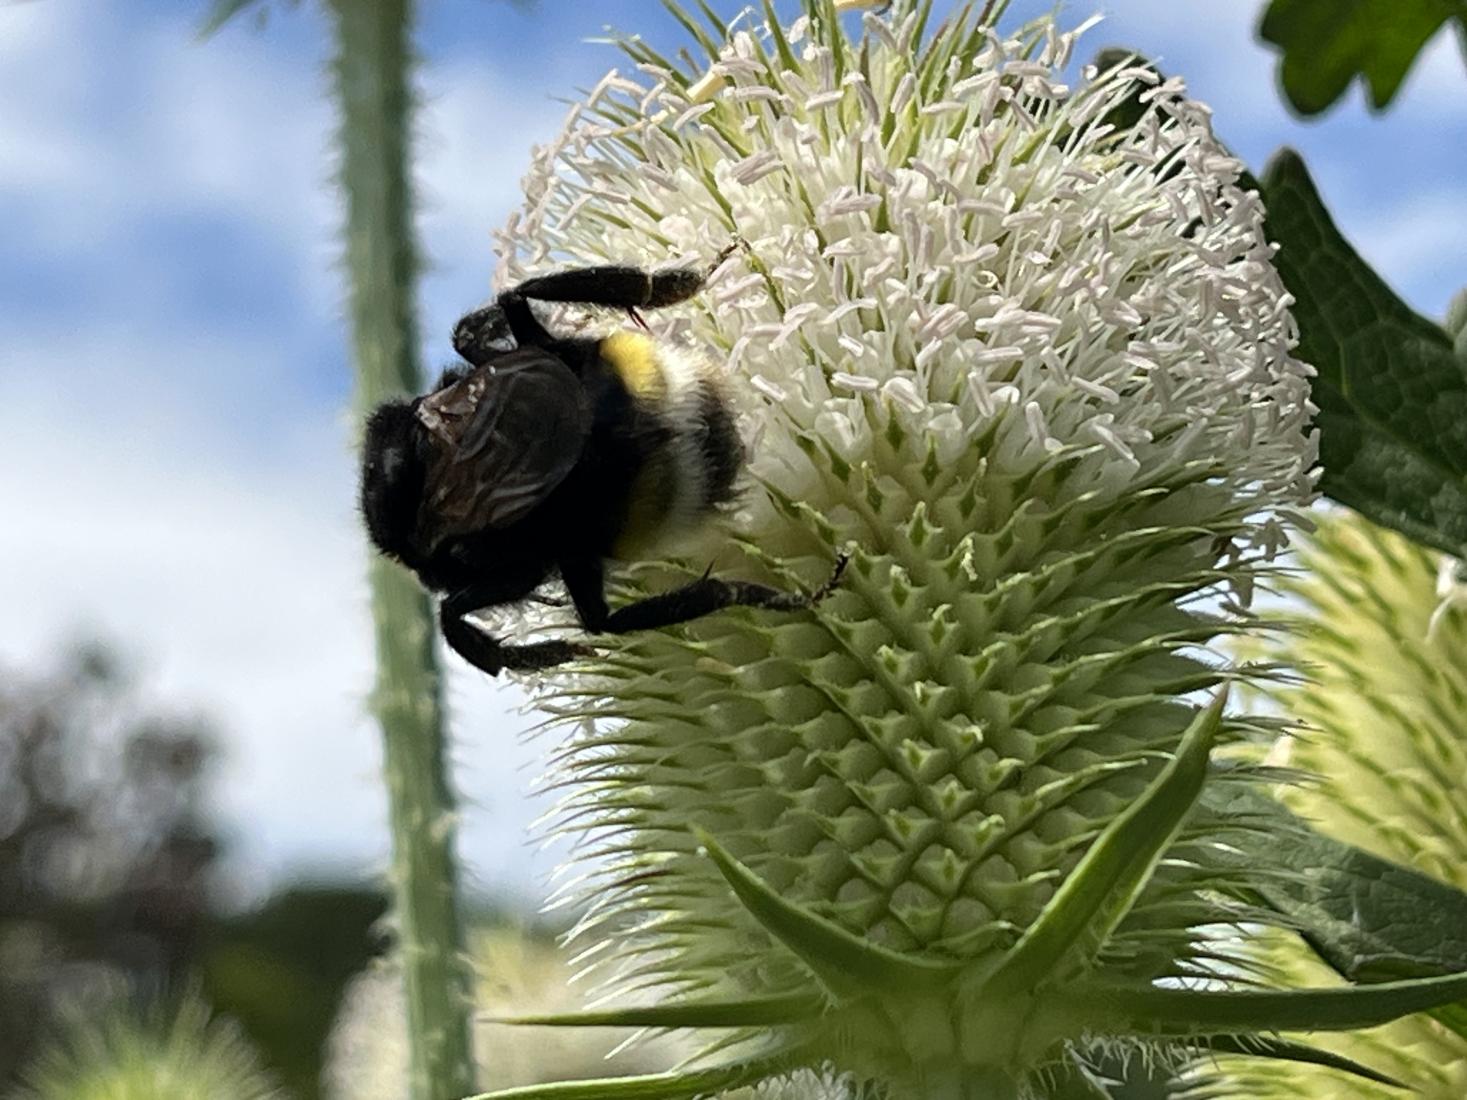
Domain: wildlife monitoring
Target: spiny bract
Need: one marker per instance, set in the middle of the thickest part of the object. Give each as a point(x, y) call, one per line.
point(1018, 348)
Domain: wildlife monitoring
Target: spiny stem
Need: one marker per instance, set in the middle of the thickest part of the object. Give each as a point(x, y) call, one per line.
point(371, 71)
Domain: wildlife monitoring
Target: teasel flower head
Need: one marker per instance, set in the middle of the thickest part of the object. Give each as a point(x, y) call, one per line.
point(1016, 347)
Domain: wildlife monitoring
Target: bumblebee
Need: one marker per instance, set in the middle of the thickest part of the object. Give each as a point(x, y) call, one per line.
point(553, 455)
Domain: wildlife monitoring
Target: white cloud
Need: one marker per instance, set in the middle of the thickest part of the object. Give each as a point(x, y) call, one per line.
point(34, 96)
point(243, 128)
point(242, 593)
point(239, 127)
point(108, 126)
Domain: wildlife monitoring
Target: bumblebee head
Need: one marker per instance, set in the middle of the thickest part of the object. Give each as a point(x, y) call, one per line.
point(482, 335)
point(393, 477)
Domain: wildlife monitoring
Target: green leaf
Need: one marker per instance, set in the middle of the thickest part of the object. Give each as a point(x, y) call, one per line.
point(1368, 918)
point(1178, 1013)
point(843, 962)
point(1391, 391)
point(1258, 1046)
point(747, 1012)
point(687, 1085)
point(1104, 885)
point(694, 28)
point(1130, 109)
point(222, 12)
point(1326, 43)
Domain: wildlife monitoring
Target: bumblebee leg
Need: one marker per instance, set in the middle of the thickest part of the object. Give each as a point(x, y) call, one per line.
point(585, 582)
point(487, 653)
point(690, 601)
point(615, 285)
point(523, 324)
point(481, 334)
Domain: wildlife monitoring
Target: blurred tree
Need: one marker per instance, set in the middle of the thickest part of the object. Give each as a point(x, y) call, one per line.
point(280, 971)
point(104, 854)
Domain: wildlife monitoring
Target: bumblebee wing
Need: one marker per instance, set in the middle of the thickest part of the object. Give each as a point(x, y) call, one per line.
point(512, 433)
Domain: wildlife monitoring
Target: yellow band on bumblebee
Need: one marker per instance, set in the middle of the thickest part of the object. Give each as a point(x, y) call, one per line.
point(635, 359)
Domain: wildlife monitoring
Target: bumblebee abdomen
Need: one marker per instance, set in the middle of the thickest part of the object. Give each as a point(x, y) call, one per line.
point(721, 451)
point(693, 452)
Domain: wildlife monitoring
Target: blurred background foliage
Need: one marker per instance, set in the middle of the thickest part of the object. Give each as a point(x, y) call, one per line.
point(105, 849)
point(108, 887)
point(122, 975)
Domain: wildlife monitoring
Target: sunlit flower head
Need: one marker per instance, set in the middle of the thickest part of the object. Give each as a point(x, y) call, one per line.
point(971, 250)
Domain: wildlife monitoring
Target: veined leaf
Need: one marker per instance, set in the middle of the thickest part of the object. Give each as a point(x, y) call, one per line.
point(1368, 918)
point(1391, 391)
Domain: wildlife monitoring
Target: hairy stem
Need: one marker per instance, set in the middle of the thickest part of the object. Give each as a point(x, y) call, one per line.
point(371, 72)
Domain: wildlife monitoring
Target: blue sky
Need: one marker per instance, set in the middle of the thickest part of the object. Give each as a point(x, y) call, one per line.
point(173, 376)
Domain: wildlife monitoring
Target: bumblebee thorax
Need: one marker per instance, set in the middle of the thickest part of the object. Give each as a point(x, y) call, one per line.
point(637, 361)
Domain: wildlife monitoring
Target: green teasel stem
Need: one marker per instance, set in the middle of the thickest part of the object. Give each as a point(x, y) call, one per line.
point(372, 81)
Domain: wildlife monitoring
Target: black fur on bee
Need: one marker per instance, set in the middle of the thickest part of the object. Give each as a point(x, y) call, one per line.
point(551, 455)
